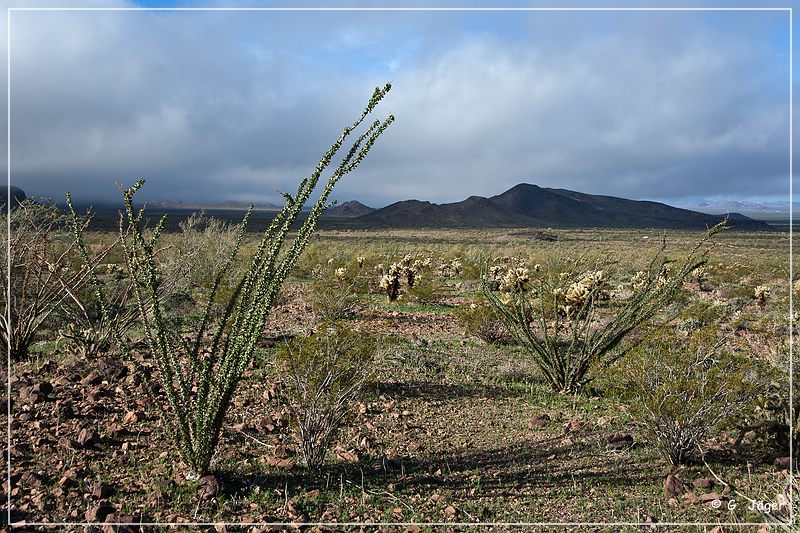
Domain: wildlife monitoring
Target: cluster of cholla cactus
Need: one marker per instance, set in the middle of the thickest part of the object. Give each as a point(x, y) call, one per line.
point(412, 266)
point(576, 298)
point(639, 280)
point(390, 281)
point(451, 269)
point(513, 278)
point(761, 294)
point(409, 268)
point(699, 275)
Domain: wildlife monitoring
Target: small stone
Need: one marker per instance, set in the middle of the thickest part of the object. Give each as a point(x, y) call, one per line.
point(118, 518)
point(98, 512)
point(65, 410)
point(114, 429)
point(619, 441)
point(44, 388)
point(538, 421)
point(68, 480)
point(673, 486)
point(284, 464)
point(704, 483)
point(209, 487)
point(94, 395)
point(782, 463)
point(450, 511)
point(92, 378)
point(280, 452)
point(30, 479)
point(88, 438)
point(672, 502)
point(575, 425)
point(710, 497)
point(347, 456)
point(690, 498)
point(101, 490)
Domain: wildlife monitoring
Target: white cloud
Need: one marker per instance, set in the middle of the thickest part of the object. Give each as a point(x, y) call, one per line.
point(236, 105)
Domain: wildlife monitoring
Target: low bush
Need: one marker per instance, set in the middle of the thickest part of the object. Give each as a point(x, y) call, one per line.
point(479, 319)
point(198, 252)
point(43, 274)
point(323, 376)
point(679, 390)
point(334, 293)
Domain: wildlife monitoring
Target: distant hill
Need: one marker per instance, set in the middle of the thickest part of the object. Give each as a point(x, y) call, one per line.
point(531, 205)
point(766, 211)
point(230, 204)
point(17, 195)
point(349, 209)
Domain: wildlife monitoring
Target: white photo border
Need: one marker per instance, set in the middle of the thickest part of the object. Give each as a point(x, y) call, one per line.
point(788, 10)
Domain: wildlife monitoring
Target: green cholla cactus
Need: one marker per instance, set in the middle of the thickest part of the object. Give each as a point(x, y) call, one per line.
point(199, 375)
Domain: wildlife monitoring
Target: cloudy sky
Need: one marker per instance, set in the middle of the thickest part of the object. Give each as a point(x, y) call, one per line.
point(668, 106)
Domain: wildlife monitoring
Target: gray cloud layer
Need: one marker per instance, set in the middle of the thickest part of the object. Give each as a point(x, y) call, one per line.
point(233, 105)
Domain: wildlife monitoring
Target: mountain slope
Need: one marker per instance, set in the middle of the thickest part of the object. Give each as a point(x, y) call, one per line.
point(530, 205)
point(349, 209)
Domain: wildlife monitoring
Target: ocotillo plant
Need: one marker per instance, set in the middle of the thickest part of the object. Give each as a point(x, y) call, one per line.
point(559, 320)
point(199, 375)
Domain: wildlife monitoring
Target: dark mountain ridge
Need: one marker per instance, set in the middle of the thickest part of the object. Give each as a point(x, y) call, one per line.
point(352, 208)
point(531, 205)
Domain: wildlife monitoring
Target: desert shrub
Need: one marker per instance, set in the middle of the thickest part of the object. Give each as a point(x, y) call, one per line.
point(479, 319)
point(777, 412)
point(426, 290)
point(681, 389)
point(195, 255)
point(198, 373)
point(323, 376)
point(185, 266)
point(88, 330)
point(42, 272)
point(564, 317)
point(421, 285)
point(334, 290)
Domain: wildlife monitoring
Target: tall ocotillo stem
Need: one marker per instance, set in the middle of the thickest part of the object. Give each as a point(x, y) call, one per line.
point(199, 376)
